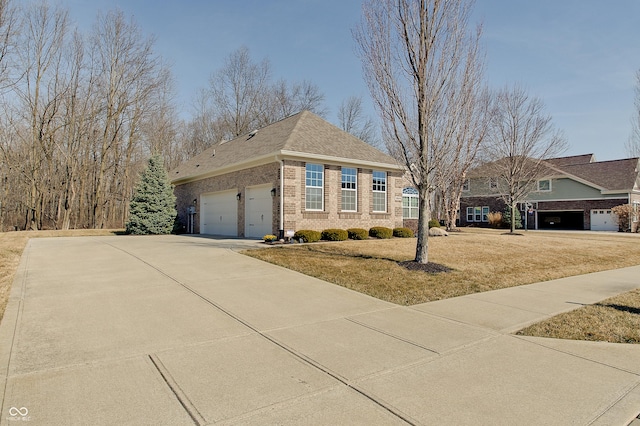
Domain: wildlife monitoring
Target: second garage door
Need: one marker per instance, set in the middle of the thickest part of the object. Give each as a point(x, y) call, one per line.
point(219, 215)
point(258, 212)
point(603, 220)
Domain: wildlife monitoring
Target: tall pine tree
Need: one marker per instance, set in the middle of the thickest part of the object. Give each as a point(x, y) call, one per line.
point(152, 209)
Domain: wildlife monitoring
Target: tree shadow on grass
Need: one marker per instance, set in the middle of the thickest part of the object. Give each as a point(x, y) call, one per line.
point(621, 308)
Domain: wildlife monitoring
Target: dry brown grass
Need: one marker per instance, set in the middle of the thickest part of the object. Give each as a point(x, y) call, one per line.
point(12, 245)
point(481, 260)
point(615, 320)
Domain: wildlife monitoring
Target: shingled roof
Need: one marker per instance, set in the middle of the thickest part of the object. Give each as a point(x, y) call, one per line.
point(616, 175)
point(303, 135)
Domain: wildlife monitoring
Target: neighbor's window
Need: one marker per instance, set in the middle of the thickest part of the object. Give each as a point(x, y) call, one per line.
point(349, 189)
point(465, 185)
point(485, 214)
point(379, 191)
point(314, 187)
point(409, 203)
point(544, 185)
point(477, 214)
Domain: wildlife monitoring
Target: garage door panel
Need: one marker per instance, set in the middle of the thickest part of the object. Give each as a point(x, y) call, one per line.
point(219, 214)
point(258, 212)
point(603, 220)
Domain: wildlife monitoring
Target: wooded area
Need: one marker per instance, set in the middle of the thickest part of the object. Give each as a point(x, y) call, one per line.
point(82, 113)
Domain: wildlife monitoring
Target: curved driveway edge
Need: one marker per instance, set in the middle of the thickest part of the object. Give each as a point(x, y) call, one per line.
point(183, 330)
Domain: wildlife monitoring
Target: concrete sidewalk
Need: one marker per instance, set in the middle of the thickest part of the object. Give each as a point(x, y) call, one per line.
point(182, 330)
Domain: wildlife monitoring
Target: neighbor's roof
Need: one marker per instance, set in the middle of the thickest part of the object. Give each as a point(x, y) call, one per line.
point(301, 136)
point(572, 160)
point(615, 175)
point(611, 175)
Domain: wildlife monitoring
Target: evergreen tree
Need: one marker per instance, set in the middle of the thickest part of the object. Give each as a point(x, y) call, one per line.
point(152, 208)
point(506, 218)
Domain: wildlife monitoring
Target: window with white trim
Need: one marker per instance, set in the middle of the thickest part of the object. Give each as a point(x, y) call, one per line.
point(314, 187)
point(349, 189)
point(478, 214)
point(379, 191)
point(409, 203)
point(544, 185)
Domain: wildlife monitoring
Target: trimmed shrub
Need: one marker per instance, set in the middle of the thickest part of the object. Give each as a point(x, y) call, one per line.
point(334, 235)
point(433, 223)
point(308, 236)
point(380, 232)
point(358, 233)
point(269, 238)
point(402, 233)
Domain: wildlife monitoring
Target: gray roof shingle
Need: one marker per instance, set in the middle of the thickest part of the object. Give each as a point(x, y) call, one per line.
point(303, 133)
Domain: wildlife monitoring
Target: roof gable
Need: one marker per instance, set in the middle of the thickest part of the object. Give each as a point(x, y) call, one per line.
point(301, 135)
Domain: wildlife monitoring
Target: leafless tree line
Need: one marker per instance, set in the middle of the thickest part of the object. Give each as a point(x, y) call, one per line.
point(77, 116)
point(82, 112)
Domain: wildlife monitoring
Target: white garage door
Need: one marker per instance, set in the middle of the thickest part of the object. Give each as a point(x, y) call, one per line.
point(258, 212)
point(603, 220)
point(219, 214)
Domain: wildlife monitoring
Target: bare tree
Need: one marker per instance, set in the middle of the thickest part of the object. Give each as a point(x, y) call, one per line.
point(633, 143)
point(127, 75)
point(415, 54)
point(352, 119)
point(522, 137)
point(240, 92)
point(241, 97)
point(288, 99)
point(39, 92)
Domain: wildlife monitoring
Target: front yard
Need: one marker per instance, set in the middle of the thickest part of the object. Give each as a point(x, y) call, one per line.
point(481, 260)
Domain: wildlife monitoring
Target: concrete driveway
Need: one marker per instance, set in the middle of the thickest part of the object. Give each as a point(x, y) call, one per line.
point(181, 330)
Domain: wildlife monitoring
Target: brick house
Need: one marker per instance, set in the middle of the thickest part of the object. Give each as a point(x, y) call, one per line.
point(576, 192)
point(298, 173)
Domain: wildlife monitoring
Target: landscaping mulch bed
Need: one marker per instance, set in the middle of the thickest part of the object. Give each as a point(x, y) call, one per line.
point(430, 267)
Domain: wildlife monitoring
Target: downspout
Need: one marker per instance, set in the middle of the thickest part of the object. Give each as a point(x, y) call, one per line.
point(281, 230)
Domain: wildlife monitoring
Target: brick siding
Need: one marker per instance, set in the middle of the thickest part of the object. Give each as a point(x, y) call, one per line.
point(295, 216)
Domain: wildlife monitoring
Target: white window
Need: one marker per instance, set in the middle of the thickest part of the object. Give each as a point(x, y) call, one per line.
point(314, 187)
point(465, 185)
point(636, 211)
point(478, 214)
point(349, 189)
point(544, 185)
point(409, 203)
point(485, 214)
point(379, 191)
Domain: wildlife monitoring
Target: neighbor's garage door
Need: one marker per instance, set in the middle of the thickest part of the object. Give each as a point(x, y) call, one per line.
point(258, 212)
point(603, 220)
point(219, 214)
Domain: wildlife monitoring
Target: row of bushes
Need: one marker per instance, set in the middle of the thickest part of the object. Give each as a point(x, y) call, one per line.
point(309, 236)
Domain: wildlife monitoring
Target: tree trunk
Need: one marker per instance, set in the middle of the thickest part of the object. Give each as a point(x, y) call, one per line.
point(424, 215)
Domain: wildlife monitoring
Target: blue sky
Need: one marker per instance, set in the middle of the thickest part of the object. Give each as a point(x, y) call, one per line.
point(579, 56)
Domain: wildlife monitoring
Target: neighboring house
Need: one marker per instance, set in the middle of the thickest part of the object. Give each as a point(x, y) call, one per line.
point(298, 173)
point(576, 192)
